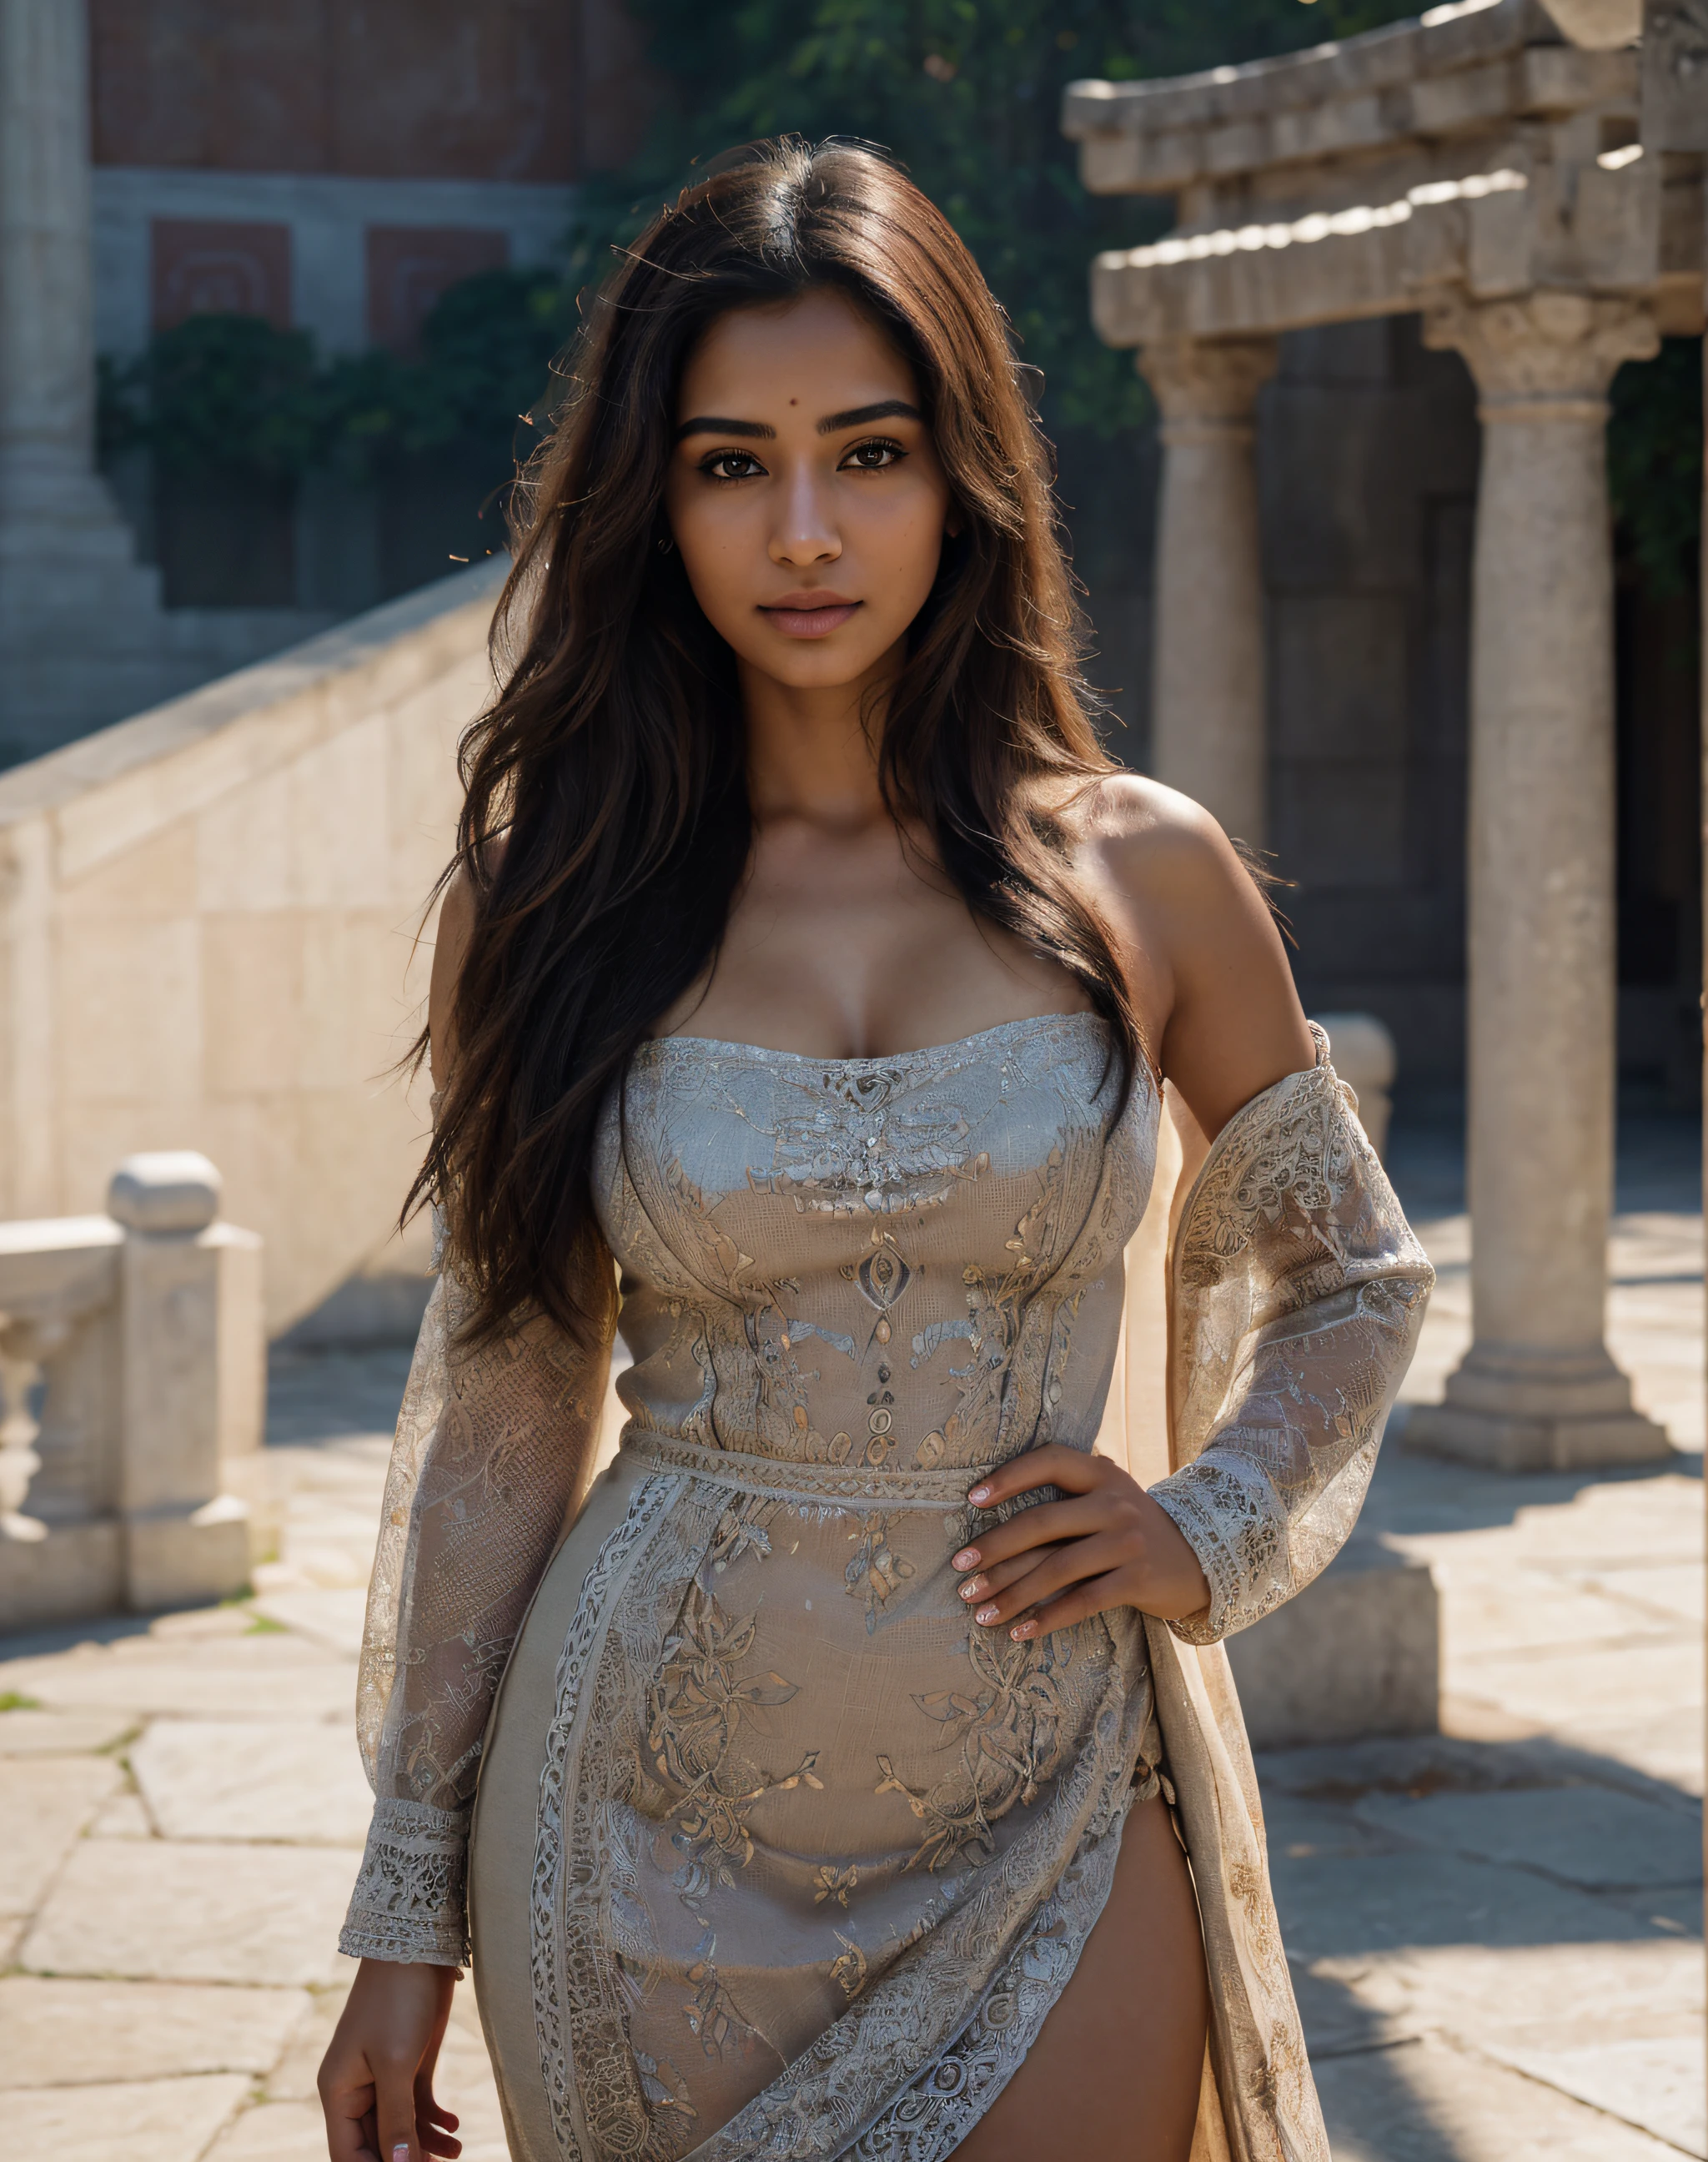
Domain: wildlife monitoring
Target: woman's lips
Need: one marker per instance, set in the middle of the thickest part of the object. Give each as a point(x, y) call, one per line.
point(808, 615)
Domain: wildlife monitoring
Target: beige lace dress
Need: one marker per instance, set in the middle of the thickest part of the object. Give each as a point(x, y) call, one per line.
point(775, 1853)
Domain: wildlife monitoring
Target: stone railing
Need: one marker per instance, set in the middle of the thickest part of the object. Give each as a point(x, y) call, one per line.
point(132, 1371)
point(207, 920)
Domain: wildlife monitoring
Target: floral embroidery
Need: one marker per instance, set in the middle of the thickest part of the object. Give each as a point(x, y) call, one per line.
point(848, 1972)
point(1010, 1730)
point(698, 1706)
point(836, 1883)
point(709, 2012)
point(876, 1570)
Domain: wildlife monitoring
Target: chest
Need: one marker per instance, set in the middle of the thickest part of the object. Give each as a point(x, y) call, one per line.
point(982, 1162)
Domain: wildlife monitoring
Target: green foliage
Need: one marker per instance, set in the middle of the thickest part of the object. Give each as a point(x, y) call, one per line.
point(1654, 463)
point(229, 393)
point(967, 93)
point(484, 377)
point(15, 1701)
point(233, 394)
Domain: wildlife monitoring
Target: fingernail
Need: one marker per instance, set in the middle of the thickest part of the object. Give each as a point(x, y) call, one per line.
point(985, 1614)
point(974, 1588)
point(967, 1558)
point(979, 1494)
point(400, 2153)
point(1023, 1629)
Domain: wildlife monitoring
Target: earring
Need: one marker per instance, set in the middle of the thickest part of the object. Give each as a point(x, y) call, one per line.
point(665, 543)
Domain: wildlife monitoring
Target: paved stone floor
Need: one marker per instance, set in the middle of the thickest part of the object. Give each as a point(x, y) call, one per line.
point(1496, 1931)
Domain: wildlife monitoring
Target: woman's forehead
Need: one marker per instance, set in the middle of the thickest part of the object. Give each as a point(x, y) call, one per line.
point(807, 352)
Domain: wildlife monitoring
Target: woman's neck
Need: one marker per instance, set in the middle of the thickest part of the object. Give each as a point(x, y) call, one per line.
point(812, 752)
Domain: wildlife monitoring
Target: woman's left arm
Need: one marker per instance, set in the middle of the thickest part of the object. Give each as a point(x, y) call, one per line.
point(1307, 1287)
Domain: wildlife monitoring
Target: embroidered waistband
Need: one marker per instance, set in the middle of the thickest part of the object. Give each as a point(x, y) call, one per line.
point(790, 1477)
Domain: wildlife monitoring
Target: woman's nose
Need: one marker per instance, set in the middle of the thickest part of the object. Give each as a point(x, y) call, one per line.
point(806, 531)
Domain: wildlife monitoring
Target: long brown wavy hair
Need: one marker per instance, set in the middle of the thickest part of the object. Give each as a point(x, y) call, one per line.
point(611, 764)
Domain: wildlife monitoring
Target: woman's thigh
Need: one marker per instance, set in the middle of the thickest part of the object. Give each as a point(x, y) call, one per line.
point(1114, 2075)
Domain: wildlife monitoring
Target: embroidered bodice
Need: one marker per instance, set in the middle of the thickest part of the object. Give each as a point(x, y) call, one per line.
point(909, 1263)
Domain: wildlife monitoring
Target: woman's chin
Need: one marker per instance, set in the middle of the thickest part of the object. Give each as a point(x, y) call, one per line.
point(813, 664)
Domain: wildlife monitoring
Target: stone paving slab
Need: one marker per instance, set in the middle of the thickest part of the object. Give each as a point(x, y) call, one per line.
point(45, 1803)
point(331, 1615)
point(1429, 2101)
point(1653, 2082)
point(123, 1817)
point(1545, 1996)
point(196, 1913)
point(1599, 1681)
point(291, 1780)
point(1665, 1747)
point(1301, 1829)
point(33, 1733)
point(1483, 1621)
point(1590, 1836)
point(279, 1677)
point(1675, 1588)
point(141, 2121)
point(85, 2033)
point(273, 2132)
point(1371, 1903)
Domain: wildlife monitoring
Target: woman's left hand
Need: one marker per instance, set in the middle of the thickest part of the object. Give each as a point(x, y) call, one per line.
point(1106, 1544)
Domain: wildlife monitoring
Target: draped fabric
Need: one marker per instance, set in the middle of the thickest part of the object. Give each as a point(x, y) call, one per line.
point(813, 1859)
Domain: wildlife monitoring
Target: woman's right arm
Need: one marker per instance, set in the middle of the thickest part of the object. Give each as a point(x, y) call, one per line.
point(493, 1451)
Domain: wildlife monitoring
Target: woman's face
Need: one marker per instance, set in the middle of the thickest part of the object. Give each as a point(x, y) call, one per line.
point(804, 491)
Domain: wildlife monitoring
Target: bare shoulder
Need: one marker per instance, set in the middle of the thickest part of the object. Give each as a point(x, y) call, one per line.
point(1153, 844)
point(1165, 869)
point(1203, 946)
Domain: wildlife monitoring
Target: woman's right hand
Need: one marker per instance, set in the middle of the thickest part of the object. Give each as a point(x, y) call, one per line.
point(376, 2079)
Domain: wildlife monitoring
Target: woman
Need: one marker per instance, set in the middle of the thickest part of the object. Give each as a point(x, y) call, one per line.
point(807, 958)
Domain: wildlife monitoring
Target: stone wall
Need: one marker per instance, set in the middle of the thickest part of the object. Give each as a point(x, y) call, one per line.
point(393, 88)
point(208, 917)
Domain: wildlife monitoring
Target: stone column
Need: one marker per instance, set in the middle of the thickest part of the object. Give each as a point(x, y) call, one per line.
point(1208, 736)
point(1537, 1388)
point(47, 348)
point(81, 630)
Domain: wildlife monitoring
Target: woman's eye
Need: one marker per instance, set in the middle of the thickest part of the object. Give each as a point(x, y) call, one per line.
point(874, 457)
point(732, 465)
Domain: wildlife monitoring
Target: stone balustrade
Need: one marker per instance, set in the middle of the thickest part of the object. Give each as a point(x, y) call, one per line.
point(132, 1375)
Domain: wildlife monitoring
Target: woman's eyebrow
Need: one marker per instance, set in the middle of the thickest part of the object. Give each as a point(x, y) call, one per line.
point(709, 423)
point(886, 409)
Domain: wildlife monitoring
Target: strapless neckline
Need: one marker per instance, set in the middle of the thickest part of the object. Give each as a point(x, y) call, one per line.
point(764, 1052)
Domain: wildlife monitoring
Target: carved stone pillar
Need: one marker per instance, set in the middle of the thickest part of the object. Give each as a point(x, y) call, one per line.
point(79, 625)
point(1208, 736)
point(1537, 1388)
point(47, 349)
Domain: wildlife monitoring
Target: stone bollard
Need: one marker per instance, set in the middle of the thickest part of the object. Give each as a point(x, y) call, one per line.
point(132, 1377)
point(185, 1282)
point(1363, 1052)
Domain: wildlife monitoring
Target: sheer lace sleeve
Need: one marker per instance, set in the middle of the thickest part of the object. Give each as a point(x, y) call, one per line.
point(493, 1454)
point(1297, 1293)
